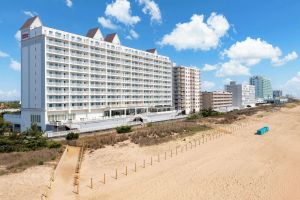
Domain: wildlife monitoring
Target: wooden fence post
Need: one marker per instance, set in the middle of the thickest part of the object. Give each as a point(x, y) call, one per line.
point(104, 178)
point(126, 172)
point(91, 183)
point(116, 174)
point(50, 183)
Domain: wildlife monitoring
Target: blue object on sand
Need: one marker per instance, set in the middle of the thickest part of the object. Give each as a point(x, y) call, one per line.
point(262, 130)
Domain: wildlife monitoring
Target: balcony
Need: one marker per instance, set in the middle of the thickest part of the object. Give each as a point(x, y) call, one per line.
point(58, 60)
point(57, 108)
point(76, 55)
point(58, 84)
point(65, 53)
point(79, 85)
point(57, 68)
point(79, 77)
point(79, 63)
point(60, 44)
point(58, 76)
point(57, 100)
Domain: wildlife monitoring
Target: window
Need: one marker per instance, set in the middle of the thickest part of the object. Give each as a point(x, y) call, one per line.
point(35, 118)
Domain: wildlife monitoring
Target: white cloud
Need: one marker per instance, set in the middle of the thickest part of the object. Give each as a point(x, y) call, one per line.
point(198, 34)
point(208, 68)
point(133, 35)
point(18, 36)
point(242, 55)
point(232, 68)
point(252, 51)
point(107, 23)
point(30, 13)
point(207, 85)
point(151, 8)
point(15, 65)
point(3, 54)
point(290, 57)
point(69, 3)
point(292, 86)
point(120, 10)
point(9, 95)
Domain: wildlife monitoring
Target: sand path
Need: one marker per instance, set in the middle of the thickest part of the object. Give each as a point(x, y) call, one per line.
point(62, 187)
point(237, 166)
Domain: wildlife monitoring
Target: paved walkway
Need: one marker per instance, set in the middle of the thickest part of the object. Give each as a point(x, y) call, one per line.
point(62, 187)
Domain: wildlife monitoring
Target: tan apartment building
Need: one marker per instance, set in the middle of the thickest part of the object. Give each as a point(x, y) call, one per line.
point(216, 100)
point(186, 84)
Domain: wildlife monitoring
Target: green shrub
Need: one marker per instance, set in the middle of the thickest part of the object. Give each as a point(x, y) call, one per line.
point(32, 139)
point(100, 141)
point(53, 144)
point(72, 136)
point(209, 112)
point(123, 129)
point(193, 117)
point(164, 132)
point(149, 124)
point(41, 162)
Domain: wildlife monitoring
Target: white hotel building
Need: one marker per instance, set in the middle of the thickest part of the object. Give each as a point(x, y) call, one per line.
point(69, 78)
point(243, 95)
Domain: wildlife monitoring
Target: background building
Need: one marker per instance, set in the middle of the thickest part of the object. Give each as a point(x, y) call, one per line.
point(243, 95)
point(263, 87)
point(186, 82)
point(277, 94)
point(219, 100)
point(69, 78)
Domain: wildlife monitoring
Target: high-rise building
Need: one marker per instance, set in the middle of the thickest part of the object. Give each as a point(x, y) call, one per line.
point(68, 78)
point(277, 94)
point(217, 100)
point(243, 95)
point(263, 87)
point(186, 83)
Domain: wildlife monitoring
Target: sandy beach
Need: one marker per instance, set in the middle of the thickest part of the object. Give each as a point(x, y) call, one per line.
point(237, 166)
point(26, 185)
point(240, 165)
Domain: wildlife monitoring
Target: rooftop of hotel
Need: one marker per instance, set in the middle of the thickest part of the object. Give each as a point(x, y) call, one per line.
point(94, 33)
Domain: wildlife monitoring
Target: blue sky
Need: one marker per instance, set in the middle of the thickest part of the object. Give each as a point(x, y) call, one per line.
point(228, 40)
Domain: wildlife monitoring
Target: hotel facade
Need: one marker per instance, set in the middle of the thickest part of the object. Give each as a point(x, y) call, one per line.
point(217, 100)
point(263, 87)
point(243, 95)
point(186, 83)
point(68, 78)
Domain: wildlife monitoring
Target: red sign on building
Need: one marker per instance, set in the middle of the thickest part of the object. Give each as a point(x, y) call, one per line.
point(25, 36)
